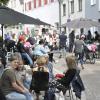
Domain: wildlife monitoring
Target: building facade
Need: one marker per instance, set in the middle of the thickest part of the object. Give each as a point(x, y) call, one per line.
point(45, 10)
point(17, 5)
point(73, 9)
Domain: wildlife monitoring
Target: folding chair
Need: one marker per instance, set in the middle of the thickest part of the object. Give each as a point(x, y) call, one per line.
point(8, 56)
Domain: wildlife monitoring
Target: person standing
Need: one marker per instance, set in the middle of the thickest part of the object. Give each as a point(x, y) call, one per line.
point(71, 40)
point(78, 49)
point(62, 41)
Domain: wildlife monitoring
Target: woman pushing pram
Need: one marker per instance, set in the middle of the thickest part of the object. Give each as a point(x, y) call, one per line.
point(89, 52)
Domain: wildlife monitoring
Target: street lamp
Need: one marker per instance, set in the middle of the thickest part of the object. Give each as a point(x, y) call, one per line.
point(60, 2)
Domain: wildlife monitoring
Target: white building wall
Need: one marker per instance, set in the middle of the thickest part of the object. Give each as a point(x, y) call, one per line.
point(64, 18)
point(74, 15)
point(15, 4)
point(48, 13)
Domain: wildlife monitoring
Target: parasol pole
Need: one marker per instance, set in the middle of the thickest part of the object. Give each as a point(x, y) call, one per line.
point(2, 25)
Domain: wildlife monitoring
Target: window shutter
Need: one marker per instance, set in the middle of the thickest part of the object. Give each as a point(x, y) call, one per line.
point(30, 7)
point(34, 3)
point(45, 2)
point(39, 3)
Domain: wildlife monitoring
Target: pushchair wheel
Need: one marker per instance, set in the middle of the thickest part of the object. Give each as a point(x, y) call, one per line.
point(92, 58)
point(84, 58)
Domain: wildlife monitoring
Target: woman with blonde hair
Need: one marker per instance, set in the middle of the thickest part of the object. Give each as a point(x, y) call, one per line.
point(40, 76)
point(72, 76)
point(71, 62)
point(70, 73)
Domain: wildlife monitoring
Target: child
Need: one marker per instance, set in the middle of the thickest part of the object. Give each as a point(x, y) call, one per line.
point(40, 77)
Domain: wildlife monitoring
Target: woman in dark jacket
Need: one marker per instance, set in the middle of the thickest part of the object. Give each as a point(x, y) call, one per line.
point(70, 73)
point(72, 76)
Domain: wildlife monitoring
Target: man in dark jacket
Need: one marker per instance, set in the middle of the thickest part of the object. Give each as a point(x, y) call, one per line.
point(62, 41)
point(71, 40)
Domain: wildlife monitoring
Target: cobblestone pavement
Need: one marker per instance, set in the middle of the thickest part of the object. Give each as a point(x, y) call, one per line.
point(90, 76)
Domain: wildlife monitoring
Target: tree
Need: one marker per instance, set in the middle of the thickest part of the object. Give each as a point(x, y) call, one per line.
point(3, 2)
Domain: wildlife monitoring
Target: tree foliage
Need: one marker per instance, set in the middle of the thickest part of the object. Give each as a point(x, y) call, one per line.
point(3, 2)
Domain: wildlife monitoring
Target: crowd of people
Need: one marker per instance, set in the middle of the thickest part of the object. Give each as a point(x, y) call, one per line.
point(30, 68)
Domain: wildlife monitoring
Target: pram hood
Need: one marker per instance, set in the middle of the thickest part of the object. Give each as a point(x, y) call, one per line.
point(92, 47)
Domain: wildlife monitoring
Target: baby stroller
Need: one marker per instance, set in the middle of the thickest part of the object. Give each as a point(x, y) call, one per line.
point(89, 53)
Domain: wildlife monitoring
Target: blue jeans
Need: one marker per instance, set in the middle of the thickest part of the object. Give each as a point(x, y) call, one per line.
point(79, 56)
point(27, 82)
point(19, 96)
point(27, 57)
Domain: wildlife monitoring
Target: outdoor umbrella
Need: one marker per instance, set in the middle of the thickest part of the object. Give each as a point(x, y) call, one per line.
point(12, 17)
point(82, 23)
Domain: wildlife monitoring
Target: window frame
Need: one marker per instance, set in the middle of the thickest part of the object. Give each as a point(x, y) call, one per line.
point(64, 9)
point(72, 6)
point(79, 5)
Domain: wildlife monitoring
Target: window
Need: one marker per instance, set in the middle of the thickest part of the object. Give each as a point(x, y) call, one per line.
point(64, 9)
point(72, 6)
point(80, 5)
point(45, 2)
point(29, 4)
point(51, 0)
point(25, 7)
point(93, 2)
point(21, 2)
point(39, 3)
point(34, 3)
